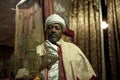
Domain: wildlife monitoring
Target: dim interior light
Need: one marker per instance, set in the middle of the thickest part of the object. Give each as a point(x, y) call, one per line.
point(104, 25)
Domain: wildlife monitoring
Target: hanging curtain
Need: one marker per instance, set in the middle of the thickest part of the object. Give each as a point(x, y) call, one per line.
point(113, 19)
point(85, 22)
point(48, 8)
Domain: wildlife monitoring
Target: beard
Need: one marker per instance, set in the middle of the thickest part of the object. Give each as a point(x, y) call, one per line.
point(53, 38)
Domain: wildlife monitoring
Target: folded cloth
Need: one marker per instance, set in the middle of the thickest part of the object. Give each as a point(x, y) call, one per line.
point(22, 73)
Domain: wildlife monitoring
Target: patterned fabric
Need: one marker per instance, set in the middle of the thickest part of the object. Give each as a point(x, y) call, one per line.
point(85, 22)
point(113, 55)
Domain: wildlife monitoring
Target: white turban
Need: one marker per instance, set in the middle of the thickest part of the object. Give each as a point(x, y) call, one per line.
point(54, 18)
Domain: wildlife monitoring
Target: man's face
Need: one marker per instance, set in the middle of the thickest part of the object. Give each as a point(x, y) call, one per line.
point(54, 33)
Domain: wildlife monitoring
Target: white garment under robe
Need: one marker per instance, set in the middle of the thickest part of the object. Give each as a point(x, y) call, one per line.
point(53, 73)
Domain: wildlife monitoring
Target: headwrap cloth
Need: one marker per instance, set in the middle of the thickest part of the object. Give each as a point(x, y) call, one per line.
point(54, 18)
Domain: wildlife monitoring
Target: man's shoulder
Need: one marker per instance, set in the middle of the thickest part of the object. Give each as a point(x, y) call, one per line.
point(72, 48)
point(61, 41)
point(70, 45)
